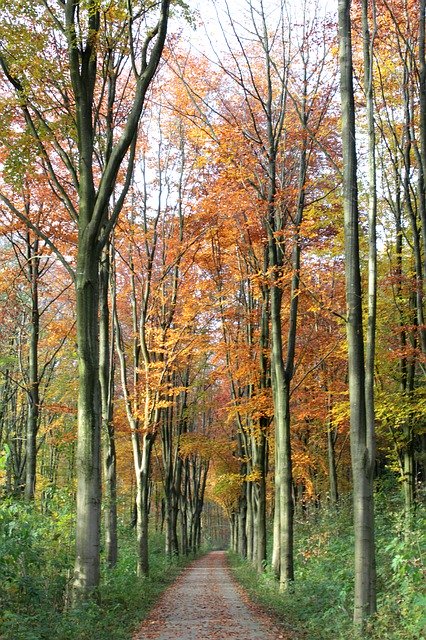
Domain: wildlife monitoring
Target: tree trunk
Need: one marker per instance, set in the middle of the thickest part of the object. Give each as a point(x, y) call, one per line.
point(106, 379)
point(246, 522)
point(361, 454)
point(275, 561)
point(260, 525)
point(142, 505)
point(33, 375)
point(408, 475)
point(283, 476)
point(422, 100)
point(372, 222)
point(87, 569)
point(262, 445)
point(332, 469)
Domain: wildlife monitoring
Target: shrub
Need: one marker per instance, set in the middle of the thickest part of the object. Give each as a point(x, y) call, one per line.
point(321, 600)
point(36, 556)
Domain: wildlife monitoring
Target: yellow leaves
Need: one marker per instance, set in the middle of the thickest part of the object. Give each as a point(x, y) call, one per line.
point(340, 411)
point(201, 445)
point(395, 410)
point(115, 12)
point(226, 490)
point(253, 476)
point(163, 404)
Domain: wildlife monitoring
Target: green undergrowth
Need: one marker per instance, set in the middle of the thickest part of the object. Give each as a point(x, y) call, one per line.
point(319, 605)
point(36, 553)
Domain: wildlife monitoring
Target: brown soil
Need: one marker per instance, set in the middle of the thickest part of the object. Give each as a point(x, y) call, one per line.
point(205, 604)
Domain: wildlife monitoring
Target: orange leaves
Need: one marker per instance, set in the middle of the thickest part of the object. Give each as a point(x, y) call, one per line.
point(251, 410)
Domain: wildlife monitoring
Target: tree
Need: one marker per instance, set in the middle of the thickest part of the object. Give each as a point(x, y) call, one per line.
point(362, 440)
point(93, 41)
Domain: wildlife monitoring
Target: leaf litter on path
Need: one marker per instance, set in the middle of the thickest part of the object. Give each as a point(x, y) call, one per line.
point(206, 604)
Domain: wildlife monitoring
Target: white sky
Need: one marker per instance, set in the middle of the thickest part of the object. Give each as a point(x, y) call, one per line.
point(209, 10)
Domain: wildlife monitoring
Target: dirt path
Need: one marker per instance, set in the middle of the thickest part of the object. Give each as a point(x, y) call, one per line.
point(205, 604)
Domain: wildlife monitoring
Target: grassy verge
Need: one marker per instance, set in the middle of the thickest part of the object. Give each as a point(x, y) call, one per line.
point(36, 553)
point(319, 605)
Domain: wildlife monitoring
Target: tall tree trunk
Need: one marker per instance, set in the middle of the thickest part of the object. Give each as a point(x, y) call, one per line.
point(368, 42)
point(87, 563)
point(422, 96)
point(142, 505)
point(261, 444)
point(246, 517)
point(260, 525)
point(332, 469)
point(275, 560)
point(33, 374)
point(372, 221)
point(106, 378)
point(283, 472)
point(361, 454)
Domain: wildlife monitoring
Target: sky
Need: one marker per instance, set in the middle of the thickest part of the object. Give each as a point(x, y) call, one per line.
point(208, 37)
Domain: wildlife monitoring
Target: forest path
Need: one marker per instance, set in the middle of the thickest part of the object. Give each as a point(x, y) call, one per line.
point(205, 604)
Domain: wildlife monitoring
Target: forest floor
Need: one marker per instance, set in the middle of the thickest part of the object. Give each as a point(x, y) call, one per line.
point(205, 603)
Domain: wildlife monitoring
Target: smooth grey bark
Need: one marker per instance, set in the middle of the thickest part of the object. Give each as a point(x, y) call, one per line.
point(13, 425)
point(184, 510)
point(88, 468)
point(142, 503)
point(368, 43)
point(258, 492)
point(33, 370)
point(246, 517)
point(281, 398)
point(106, 378)
point(416, 319)
point(252, 434)
point(197, 475)
point(332, 467)
point(275, 560)
point(244, 528)
point(361, 454)
point(422, 100)
point(175, 424)
point(283, 370)
point(260, 445)
point(173, 465)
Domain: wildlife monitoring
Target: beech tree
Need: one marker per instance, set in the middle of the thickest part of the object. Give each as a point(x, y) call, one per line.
point(94, 43)
point(398, 134)
point(362, 438)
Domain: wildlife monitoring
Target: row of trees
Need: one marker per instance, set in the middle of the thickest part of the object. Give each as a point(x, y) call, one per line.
point(199, 217)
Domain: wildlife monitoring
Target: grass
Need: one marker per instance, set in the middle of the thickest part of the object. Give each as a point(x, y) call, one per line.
point(36, 553)
point(319, 605)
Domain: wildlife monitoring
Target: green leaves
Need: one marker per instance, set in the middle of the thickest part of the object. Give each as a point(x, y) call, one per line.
point(4, 456)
